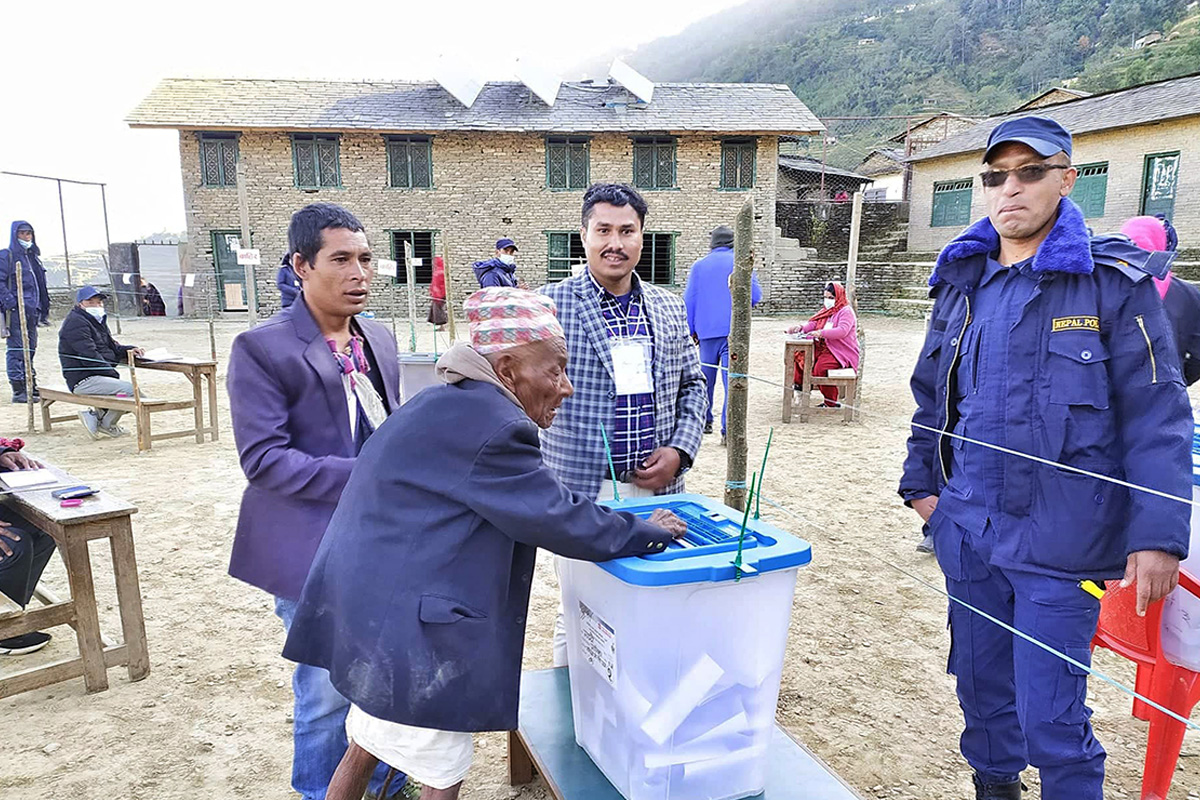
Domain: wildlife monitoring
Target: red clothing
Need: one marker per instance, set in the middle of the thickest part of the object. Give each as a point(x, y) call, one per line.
point(437, 287)
point(825, 361)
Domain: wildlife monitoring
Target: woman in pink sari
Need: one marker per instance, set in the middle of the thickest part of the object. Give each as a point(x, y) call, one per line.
point(835, 329)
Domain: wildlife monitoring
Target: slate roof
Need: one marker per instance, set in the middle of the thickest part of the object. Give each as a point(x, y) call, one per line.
point(813, 166)
point(235, 104)
point(1139, 105)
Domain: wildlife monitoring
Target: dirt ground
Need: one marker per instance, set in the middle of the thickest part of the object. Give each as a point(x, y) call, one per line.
point(865, 684)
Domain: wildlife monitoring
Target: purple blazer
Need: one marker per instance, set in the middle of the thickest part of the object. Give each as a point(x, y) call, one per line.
point(291, 425)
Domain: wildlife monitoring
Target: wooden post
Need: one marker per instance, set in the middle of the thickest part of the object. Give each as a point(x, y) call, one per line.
point(244, 214)
point(449, 290)
point(852, 260)
point(212, 334)
point(26, 350)
point(410, 275)
point(739, 357)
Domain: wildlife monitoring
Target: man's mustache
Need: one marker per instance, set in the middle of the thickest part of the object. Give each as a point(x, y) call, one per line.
point(620, 253)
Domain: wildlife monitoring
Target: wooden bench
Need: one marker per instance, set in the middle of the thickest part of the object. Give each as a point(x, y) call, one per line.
point(544, 743)
point(139, 407)
point(101, 516)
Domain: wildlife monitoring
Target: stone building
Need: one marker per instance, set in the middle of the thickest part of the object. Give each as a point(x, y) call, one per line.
point(1135, 149)
point(418, 166)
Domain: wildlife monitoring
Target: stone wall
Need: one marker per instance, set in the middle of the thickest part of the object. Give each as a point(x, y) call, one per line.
point(1124, 149)
point(486, 185)
point(799, 285)
point(826, 226)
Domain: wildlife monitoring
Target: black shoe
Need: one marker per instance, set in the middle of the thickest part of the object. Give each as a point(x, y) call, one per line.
point(926, 545)
point(708, 427)
point(25, 643)
point(18, 392)
point(997, 791)
point(723, 440)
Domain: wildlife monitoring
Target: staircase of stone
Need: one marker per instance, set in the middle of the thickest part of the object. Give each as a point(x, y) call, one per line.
point(913, 303)
point(883, 247)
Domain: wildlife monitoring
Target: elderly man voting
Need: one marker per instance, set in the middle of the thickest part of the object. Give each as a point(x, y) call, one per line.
point(417, 600)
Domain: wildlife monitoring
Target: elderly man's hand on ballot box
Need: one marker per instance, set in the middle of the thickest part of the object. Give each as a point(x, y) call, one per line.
point(668, 521)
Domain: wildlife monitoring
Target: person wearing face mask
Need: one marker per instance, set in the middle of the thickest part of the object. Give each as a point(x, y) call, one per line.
point(835, 329)
point(501, 269)
point(89, 355)
point(23, 248)
point(417, 598)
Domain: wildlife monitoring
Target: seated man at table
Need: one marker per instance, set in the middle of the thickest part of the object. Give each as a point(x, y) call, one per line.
point(89, 354)
point(24, 553)
point(417, 598)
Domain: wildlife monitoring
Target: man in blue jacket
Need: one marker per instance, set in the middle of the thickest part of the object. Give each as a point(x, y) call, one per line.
point(417, 599)
point(1049, 343)
point(287, 282)
point(709, 308)
point(23, 248)
point(307, 388)
point(500, 269)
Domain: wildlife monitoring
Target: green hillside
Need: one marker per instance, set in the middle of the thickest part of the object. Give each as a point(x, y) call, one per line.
point(875, 57)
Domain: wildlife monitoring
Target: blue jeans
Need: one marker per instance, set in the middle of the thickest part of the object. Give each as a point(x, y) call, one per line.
point(17, 346)
point(319, 727)
point(715, 351)
point(1022, 705)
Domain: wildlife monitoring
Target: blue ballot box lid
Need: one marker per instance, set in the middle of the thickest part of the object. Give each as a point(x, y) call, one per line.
point(707, 551)
point(418, 358)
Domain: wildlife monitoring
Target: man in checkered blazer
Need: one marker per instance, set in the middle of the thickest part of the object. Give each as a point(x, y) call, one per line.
point(635, 369)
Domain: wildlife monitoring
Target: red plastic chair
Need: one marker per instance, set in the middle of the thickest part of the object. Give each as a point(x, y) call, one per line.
point(1176, 688)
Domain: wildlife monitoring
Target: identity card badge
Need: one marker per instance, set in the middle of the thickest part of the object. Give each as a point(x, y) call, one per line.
point(631, 367)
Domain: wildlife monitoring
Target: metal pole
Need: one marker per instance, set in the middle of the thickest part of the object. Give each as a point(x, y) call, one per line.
point(739, 357)
point(410, 274)
point(62, 216)
point(27, 351)
point(244, 213)
point(107, 250)
point(852, 260)
point(212, 335)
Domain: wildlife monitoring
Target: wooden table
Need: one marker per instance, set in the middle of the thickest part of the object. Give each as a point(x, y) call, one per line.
point(545, 743)
point(790, 348)
point(101, 516)
point(195, 371)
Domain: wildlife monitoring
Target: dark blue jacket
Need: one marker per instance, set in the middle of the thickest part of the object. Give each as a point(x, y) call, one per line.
point(33, 277)
point(707, 296)
point(1100, 390)
point(417, 599)
point(86, 348)
point(287, 282)
point(495, 272)
point(292, 429)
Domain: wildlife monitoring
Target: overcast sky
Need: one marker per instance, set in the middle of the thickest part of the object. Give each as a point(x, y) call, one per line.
point(71, 71)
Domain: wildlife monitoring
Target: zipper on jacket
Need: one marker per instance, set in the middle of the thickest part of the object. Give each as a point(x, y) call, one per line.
point(949, 375)
point(1150, 348)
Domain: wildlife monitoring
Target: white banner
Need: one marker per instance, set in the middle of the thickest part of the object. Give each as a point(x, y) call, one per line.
point(249, 257)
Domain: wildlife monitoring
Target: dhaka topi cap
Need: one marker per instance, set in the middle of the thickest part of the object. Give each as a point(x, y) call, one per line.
point(722, 236)
point(1043, 134)
point(501, 318)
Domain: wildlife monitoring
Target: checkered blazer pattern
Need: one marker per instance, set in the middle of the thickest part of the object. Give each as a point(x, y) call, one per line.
point(574, 447)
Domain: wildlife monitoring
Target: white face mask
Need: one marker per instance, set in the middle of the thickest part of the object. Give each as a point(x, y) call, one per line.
point(95, 311)
point(26, 244)
point(508, 260)
point(829, 302)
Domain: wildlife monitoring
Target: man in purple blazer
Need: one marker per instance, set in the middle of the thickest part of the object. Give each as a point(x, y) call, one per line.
point(306, 389)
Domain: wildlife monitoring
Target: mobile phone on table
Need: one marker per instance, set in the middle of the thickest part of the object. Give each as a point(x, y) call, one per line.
point(73, 492)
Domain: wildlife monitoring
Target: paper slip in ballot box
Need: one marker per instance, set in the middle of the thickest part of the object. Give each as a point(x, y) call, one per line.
point(674, 665)
point(1181, 610)
point(417, 371)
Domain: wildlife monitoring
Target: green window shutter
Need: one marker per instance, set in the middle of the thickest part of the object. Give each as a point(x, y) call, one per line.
point(654, 163)
point(410, 162)
point(657, 264)
point(1091, 189)
point(567, 162)
point(218, 159)
point(951, 203)
point(315, 159)
point(643, 166)
point(738, 164)
point(564, 250)
point(1159, 183)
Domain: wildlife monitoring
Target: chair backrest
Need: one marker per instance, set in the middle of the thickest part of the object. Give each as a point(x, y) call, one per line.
point(1120, 628)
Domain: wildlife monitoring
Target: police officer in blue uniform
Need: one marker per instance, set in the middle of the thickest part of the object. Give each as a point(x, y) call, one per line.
point(1049, 342)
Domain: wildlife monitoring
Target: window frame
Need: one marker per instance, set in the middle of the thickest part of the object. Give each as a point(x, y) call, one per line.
point(226, 181)
point(654, 143)
point(554, 274)
point(408, 140)
point(316, 138)
point(672, 238)
point(567, 142)
point(947, 187)
point(736, 145)
point(1104, 199)
point(401, 278)
point(1147, 176)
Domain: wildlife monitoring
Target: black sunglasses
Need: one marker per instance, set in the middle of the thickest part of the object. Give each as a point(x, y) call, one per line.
point(1030, 173)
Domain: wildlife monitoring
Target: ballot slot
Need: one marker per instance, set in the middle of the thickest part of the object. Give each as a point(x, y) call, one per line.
point(707, 532)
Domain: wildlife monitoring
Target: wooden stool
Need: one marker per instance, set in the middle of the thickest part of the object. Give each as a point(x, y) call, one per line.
point(100, 517)
point(544, 743)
